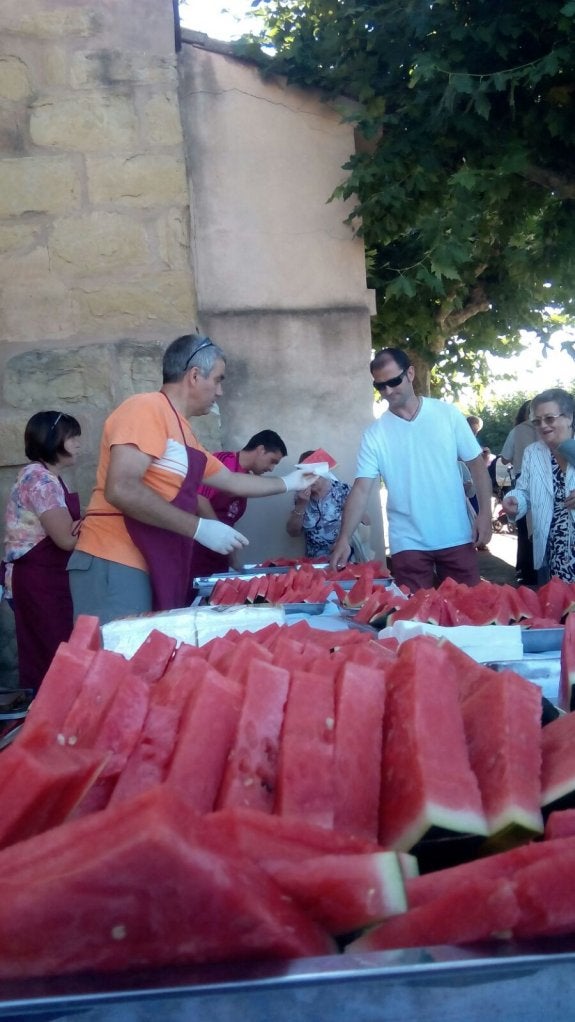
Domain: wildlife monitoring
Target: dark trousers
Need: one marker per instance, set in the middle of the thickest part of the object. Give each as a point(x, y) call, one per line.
point(524, 563)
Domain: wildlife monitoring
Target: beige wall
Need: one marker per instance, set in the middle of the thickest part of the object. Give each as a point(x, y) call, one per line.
point(280, 278)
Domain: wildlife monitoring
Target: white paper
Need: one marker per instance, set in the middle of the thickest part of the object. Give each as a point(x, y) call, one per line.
point(485, 643)
point(318, 468)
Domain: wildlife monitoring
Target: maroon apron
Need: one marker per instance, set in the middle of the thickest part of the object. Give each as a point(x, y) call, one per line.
point(42, 603)
point(167, 554)
point(228, 508)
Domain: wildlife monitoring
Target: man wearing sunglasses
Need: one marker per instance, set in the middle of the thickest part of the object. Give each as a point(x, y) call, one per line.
point(134, 554)
point(414, 448)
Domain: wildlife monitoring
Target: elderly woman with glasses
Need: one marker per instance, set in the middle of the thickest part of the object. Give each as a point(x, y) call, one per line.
point(546, 487)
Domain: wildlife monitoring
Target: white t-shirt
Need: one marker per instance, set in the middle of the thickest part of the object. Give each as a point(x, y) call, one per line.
point(417, 461)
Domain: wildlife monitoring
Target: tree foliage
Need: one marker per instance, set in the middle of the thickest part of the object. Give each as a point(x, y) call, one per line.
point(464, 183)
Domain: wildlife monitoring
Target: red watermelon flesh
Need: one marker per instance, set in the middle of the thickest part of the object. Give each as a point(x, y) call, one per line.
point(151, 659)
point(86, 633)
point(318, 456)
point(47, 712)
point(117, 739)
point(205, 736)
point(430, 886)
point(555, 599)
point(107, 672)
point(272, 838)
point(558, 760)
point(305, 774)
point(426, 777)
point(560, 823)
point(502, 721)
point(360, 701)
point(149, 762)
point(41, 788)
point(344, 892)
point(159, 891)
point(546, 894)
point(250, 777)
point(478, 910)
point(567, 675)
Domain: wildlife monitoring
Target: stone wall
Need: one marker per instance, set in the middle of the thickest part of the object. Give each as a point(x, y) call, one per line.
point(94, 210)
point(144, 192)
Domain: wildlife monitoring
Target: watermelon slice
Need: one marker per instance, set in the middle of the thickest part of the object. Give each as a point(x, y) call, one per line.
point(561, 823)
point(567, 677)
point(142, 889)
point(318, 456)
point(545, 894)
point(477, 910)
point(558, 763)
point(502, 721)
point(251, 774)
point(360, 700)
point(344, 892)
point(305, 773)
point(427, 781)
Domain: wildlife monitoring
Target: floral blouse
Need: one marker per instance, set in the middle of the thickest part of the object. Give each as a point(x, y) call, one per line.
point(561, 541)
point(35, 491)
point(322, 520)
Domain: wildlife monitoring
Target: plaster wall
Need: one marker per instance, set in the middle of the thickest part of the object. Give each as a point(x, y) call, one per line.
point(280, 277)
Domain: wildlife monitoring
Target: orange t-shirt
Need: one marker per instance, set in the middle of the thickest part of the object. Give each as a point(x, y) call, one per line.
point(150, 423)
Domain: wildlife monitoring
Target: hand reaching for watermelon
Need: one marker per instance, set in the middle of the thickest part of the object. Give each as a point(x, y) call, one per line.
point(219, 537)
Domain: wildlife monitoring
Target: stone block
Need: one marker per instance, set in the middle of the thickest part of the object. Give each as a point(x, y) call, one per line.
point(13, 129)
point(65, 378)
point(160, 118)
point(15, 81)
point(85, 123)
point(51, 313)
point(97, 243)
point(38, 184)
point(173, 233)
point(108, 67)
point(139, 368)
point(35, 18)
point(152, 301)
point(12, 426)
point(144, 180)
point(17, 237)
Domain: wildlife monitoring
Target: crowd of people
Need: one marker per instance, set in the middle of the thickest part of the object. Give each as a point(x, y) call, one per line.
point(164, 509)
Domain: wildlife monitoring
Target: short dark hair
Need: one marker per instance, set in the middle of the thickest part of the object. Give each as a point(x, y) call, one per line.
point(187, 351)
point(385, 355)
point(267, 439)
point(523, 412)
point(46, 434)
point(305, 454)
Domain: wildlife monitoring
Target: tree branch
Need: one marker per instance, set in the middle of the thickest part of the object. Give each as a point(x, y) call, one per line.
point(552, 182)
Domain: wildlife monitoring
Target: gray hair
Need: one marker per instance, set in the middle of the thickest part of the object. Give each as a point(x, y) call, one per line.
point(187, 351)
point(562, 399)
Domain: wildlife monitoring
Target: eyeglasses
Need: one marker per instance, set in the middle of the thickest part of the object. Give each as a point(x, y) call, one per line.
point(206, 343)
point(394, 382)
point(547, 420)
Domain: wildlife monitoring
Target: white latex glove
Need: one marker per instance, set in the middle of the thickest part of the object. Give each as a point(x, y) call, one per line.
point(219, 537)
point(299, 480)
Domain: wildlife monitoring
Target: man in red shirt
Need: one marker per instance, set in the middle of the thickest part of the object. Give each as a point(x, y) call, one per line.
point(261, 454)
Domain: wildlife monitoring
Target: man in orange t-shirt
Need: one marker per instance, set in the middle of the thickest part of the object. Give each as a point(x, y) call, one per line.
point(134, 550)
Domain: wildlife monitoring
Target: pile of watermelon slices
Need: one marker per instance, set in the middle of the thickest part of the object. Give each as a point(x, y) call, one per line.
point(301, 584)
point(273, 795)
point(454, 603)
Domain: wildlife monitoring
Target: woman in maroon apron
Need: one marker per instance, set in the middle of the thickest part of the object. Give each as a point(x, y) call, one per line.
point(42, 520)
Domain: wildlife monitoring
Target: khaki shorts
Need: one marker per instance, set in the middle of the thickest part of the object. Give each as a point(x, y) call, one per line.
point(107, 590)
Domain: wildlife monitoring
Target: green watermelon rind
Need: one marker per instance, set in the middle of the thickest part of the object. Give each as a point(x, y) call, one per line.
point(432, 814)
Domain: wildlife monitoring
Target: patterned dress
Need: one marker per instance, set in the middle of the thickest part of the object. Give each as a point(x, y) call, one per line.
point(322, 520)
point(561, 539)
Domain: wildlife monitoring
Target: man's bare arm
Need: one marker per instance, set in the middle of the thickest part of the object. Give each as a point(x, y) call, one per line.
point(484, 490)
point(353, 512)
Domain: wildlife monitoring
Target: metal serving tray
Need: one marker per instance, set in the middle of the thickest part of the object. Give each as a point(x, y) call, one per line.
point(438, 984)
point(541, 640)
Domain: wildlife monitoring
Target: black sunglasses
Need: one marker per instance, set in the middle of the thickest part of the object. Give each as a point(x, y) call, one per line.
point(394, 382)
point(206, 343)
